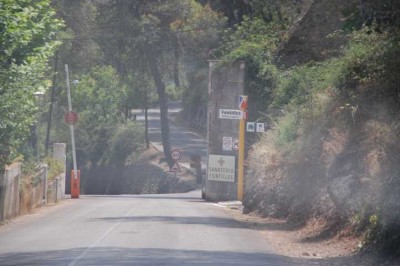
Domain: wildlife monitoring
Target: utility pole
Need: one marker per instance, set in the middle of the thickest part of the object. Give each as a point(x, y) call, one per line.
point(51, 103)
point(75, 182)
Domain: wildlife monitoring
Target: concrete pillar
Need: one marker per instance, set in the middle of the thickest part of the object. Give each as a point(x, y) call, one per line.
point(225, 86)
point(59, 153)
point(10, 195)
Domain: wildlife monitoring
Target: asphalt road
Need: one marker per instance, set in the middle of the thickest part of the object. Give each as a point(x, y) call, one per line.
point(185, 141)
point(174, 229)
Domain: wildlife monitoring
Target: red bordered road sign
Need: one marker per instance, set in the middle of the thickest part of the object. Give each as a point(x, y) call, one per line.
point(175, 168)
point(176, 155)
point(70, 117)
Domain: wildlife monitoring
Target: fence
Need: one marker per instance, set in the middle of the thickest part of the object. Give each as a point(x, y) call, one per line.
point(17, 199)
point(9, 192)
point(34, 196)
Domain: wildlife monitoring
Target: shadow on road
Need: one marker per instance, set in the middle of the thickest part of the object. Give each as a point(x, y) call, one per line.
point(149, 256)
point(184, 220)
point(191, 198)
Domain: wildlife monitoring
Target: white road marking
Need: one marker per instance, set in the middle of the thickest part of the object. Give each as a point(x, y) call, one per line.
point(104, 235)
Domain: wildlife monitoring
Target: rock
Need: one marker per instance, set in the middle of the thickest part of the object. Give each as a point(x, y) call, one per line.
point(305, 254)
point(344, 192)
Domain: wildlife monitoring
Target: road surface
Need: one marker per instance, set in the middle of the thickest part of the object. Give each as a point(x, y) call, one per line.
point(175, 229)
point(182, 139)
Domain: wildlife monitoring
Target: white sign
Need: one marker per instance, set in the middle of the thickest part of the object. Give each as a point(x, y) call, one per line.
point(260, 127)
point(251, 127)
point(235, 145)
point(230, 114)
point(227, 143)
point(175, 168)
point(221, 168)
point(175, 154)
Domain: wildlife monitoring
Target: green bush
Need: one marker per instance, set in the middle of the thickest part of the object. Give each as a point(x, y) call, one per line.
point(26, 44)
point(173, 93)
point(56, 167)
point(369, 58)
point(126, 143)
point(286, 130)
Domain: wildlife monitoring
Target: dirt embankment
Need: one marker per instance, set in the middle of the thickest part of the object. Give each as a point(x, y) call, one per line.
point(311, 243)
point(334, 189)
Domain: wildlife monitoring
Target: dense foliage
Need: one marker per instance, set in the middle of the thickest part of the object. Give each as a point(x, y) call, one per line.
point(27, 31)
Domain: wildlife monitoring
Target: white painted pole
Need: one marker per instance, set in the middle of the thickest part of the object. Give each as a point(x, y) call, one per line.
point(71, 126)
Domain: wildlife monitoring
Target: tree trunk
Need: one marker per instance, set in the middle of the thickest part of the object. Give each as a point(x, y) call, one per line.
point(163, 104)
point(176, 63)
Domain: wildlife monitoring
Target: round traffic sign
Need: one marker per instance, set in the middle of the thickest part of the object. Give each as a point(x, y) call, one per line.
point(70, 117)
point(175, 154)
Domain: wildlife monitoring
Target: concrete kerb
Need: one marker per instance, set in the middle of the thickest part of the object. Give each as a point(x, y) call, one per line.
point(236, 205)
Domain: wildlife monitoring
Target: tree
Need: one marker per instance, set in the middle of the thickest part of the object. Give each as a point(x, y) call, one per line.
point(99, 98)
point(198, 35)
point(140, 94)
point(234, 10)
point(80, 49)
point(27, 41)
point(139, 39)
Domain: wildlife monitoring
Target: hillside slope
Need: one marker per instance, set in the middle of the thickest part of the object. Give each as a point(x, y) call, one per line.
point(333, 151)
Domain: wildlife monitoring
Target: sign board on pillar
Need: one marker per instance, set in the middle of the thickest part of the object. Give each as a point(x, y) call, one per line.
point(235, 145)
point(251, 127)
point(221, 168)
point(243, 102)
point(227, 143)
point(230, 114)
point(260, 127)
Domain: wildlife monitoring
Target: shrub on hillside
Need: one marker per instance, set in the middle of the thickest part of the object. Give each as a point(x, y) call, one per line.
point(126, 143)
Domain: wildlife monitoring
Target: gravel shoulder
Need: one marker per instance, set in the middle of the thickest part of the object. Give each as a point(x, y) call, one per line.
point(311, 244)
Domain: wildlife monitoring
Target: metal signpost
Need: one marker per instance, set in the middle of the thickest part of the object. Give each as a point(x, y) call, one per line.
point(243, 107)
point(176, 155)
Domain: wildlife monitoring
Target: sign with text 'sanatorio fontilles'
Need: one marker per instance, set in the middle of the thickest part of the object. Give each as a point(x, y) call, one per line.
point(230, 114)
point(221, 168)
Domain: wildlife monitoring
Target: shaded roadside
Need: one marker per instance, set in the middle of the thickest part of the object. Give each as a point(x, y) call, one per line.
point(309, 244)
